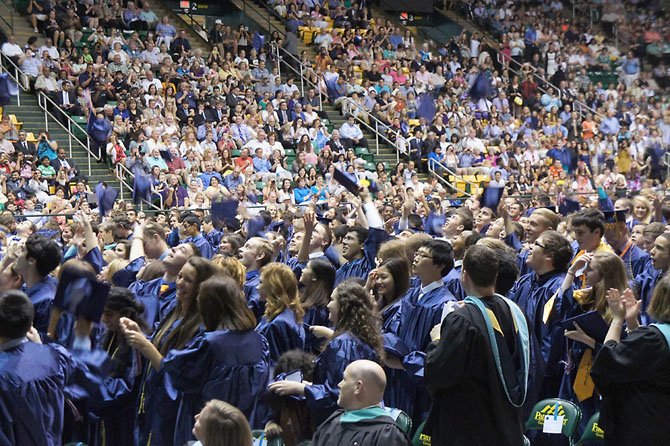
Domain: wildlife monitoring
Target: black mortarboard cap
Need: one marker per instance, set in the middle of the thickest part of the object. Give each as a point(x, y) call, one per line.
point(225, 212)
point(568, 207)
point(106, 197)
point(613, 217)
point(345, 181)
point(81, 295)
point(166, 155)
point(491, 197)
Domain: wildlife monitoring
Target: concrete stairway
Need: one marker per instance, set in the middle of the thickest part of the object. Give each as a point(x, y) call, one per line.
point(261, 16)
point(32, 117)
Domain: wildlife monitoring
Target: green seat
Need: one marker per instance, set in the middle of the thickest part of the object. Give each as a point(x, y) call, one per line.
point(361, 151)
point(330, 128)
point(289, 152)
point(593, 433)
point(112, 103)
point(289, 161)
point(325, 121)
point(369, 157)
point(403, 420)
point(370, 167)
point(260, 185)
point(76, 131)
point(570, 412)
point(421, 439)
point(236, 152)
point(260, 435)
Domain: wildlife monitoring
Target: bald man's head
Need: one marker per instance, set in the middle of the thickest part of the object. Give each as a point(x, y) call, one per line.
point(362, 385)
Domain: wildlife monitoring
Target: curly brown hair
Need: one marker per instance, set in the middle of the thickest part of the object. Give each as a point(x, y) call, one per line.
point(358, 315)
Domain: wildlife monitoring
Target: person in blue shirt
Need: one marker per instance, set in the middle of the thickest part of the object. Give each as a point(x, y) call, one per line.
point(540, 297)
point(356, 336)
point(282, 321)
point(207, 368)
point(233, 179)
point(254, 255)
point(212, 234)
point(35, 260)
point(261, 163)
point(209, 172)
point(301, 192)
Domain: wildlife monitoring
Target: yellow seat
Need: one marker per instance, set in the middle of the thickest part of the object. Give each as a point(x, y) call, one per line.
point(30, 137)
point(414, 122)
point(13, 120)
point(470, 178)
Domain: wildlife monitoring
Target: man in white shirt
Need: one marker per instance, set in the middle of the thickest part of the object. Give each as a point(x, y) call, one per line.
point(12, 50)
point(351, 132)
point(259, 141)
point(51, 49)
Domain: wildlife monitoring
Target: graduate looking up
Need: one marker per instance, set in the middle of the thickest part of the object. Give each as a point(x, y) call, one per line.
point(472, 404)
point(616, 234)
point(35, 260)
point(254, 255)
point(588, 228)
point(361, 419)
point(540, 296)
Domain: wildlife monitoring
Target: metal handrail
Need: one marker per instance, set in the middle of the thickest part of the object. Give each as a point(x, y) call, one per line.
point(281, 54)
point(18, 76)
point(270, 13)
point(122, 172)
point(440, 176)
point(69, 126)
point(348, 104)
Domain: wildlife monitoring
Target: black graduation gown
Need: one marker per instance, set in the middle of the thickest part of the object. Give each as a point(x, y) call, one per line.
point(378, 431)
point(470, 407)
point(633, 377)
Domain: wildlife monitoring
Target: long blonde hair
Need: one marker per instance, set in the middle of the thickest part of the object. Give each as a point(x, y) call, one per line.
point(612, 273)
point(281, 289)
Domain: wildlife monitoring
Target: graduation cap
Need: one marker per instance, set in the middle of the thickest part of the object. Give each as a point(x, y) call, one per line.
point(276, 226)
point(591, 322)
point(141, 188)
point(481, 88)
point(106, 197)
point(491, 197)
point(128, 275)
point(256, 227)
point(81, 295)
point(225, 212)
point(612, 218)
point(568, 207)
point(166, 155)
point(346, 181)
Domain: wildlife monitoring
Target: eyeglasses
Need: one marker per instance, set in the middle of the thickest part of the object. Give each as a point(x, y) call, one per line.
point(539, 244)
point(423, 254)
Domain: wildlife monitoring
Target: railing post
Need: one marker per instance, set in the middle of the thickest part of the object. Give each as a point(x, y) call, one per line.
point(302, 82)
point(377, 135)
point(88, 144)
point(69, 136)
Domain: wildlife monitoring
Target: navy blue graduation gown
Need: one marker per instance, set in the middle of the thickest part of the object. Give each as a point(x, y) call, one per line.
point(227, 365)
point(362, 267)
point(417, 319)
point(42, 296)
point(636, 261)
point(35, 379)
point(113, 414)
point(214, 239)
point(158, 405)
point(283, 333)
point(329, 367)
point(521, 262)
point(644, 285)
point(157, 296)
point(203, 245)
point(252, 281)
point(315, 316)
point(531, 293)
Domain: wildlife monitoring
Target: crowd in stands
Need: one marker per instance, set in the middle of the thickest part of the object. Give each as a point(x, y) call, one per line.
point(288, 283)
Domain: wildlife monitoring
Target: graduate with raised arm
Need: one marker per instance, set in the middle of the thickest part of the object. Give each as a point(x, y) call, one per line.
point(356, 336)
point(158, 402)
point(229, 361)
point(541, 297)
point(361, 243)
point(35, 260)
point(157, 295)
